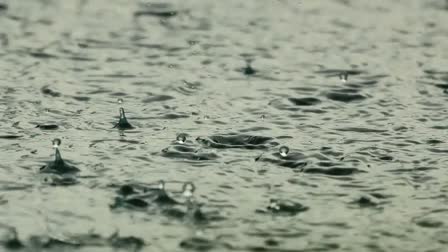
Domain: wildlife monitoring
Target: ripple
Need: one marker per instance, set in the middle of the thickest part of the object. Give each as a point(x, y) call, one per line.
point(158, 98)
point(48, 91)
point(344, 97)
point(237, 141)
point(361, 130)
point(308, 101)
point(333, 171)
point(161, 10)
point(47, 126)
point(10, 136)
point(188, 153)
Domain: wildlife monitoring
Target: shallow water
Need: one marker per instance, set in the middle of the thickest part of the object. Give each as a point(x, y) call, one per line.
point(367, 157)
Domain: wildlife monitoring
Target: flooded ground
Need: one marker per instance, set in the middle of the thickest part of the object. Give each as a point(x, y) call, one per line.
point(356, 91)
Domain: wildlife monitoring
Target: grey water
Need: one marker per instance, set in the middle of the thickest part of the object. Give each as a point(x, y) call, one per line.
point(255, 125)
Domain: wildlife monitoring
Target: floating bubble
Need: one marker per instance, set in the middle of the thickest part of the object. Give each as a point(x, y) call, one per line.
point(181, 138)
point(56, 142)
point(284, 150)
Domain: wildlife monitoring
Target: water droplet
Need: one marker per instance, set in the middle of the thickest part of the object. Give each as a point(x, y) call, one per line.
point(262, 117)
point(120, 100)
point(181, 138)
point(206, 117)
point(284, 150)
point(188, 189)
point(343, 76)
point(248, 70)
point(273, 204)
point(192, 42)
point(161, 185)
point(56, 142)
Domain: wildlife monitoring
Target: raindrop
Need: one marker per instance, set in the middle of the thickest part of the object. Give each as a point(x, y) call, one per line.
point(206, 117)
point(248, 70)
point(343, 77)
point(120, 100)
point(181, 138)
point(262, 117)
point(273, 204)
point(192, 42)
point(188, 189)
point(123, 123)
point(284, 150)
point(56, 142)
point(161, 185)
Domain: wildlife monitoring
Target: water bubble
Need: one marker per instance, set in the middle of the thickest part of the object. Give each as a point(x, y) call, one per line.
point(284, 150)
point(343, 76)
point(120, 100)
point(181, 138)
point(188, 189)
point(56, 142)
point(262, 117)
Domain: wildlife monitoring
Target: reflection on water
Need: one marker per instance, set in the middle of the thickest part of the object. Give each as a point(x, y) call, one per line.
point(303, 125)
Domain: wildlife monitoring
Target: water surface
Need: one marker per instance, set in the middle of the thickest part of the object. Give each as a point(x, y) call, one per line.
point(367, 157)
